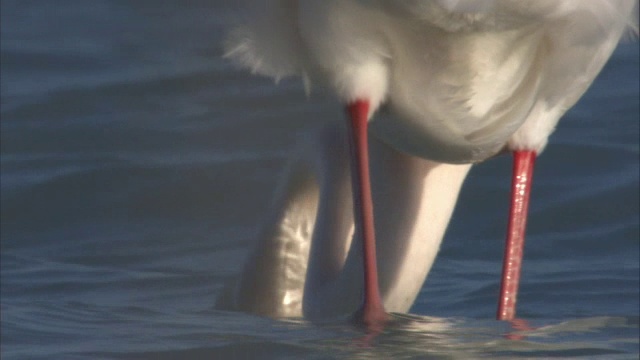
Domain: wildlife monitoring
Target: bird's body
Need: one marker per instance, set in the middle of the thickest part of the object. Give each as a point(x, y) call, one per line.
point(465, 80)
point(461, 78)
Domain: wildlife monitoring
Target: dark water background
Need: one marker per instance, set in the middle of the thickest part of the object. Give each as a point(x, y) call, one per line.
point(136, 165)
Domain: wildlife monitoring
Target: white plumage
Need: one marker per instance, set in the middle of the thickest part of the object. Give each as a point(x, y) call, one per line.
point(465, 79)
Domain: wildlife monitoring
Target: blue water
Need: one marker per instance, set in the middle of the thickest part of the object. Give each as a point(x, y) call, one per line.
point(136, 165)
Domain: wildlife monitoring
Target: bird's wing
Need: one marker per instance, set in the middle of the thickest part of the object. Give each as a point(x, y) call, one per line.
point(578, 46)
point(456, 15)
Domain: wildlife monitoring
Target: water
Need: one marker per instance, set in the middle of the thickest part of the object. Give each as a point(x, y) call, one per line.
point(136, 165)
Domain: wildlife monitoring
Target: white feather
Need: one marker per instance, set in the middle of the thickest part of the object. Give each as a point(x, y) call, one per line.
point(265, 38)
point(463, 76)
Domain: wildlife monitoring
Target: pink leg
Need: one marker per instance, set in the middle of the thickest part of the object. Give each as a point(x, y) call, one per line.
point(523, 162)
point(372, 310)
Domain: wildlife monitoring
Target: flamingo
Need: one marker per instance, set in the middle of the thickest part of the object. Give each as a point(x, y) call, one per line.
point(465, 80)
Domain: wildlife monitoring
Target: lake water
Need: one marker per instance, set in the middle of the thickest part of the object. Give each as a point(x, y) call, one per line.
point(136, 165)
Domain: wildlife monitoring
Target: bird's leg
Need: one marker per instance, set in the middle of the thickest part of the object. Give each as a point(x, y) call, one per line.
point(523, 162)
point(372, 310)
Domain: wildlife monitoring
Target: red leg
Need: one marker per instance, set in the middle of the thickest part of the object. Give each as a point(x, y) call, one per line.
point(523, 162)
point(372, 310)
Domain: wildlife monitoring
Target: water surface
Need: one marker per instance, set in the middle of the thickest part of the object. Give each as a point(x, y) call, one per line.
point(137, 164)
